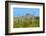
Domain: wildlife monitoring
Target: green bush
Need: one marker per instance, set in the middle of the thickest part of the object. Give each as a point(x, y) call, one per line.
point(26, 23)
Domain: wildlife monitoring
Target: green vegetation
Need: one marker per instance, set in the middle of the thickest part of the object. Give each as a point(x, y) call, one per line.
point(24, 23)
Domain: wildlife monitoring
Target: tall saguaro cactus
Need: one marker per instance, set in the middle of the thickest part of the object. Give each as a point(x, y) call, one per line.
point(33, 19)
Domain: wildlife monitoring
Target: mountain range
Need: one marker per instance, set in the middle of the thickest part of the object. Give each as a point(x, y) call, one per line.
point(27, 16)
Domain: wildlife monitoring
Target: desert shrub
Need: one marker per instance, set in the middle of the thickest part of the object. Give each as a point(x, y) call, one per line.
point(26, 23)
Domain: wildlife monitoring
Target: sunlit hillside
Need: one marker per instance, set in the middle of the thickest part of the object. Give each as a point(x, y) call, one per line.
point(27, 20)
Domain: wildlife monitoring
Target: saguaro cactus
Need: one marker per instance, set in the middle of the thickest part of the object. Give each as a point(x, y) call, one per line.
point(33, 19)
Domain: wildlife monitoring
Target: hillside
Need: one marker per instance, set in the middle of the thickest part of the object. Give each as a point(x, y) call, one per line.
point(26, 21)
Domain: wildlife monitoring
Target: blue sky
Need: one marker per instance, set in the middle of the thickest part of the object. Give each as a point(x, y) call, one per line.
point(23, 11)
